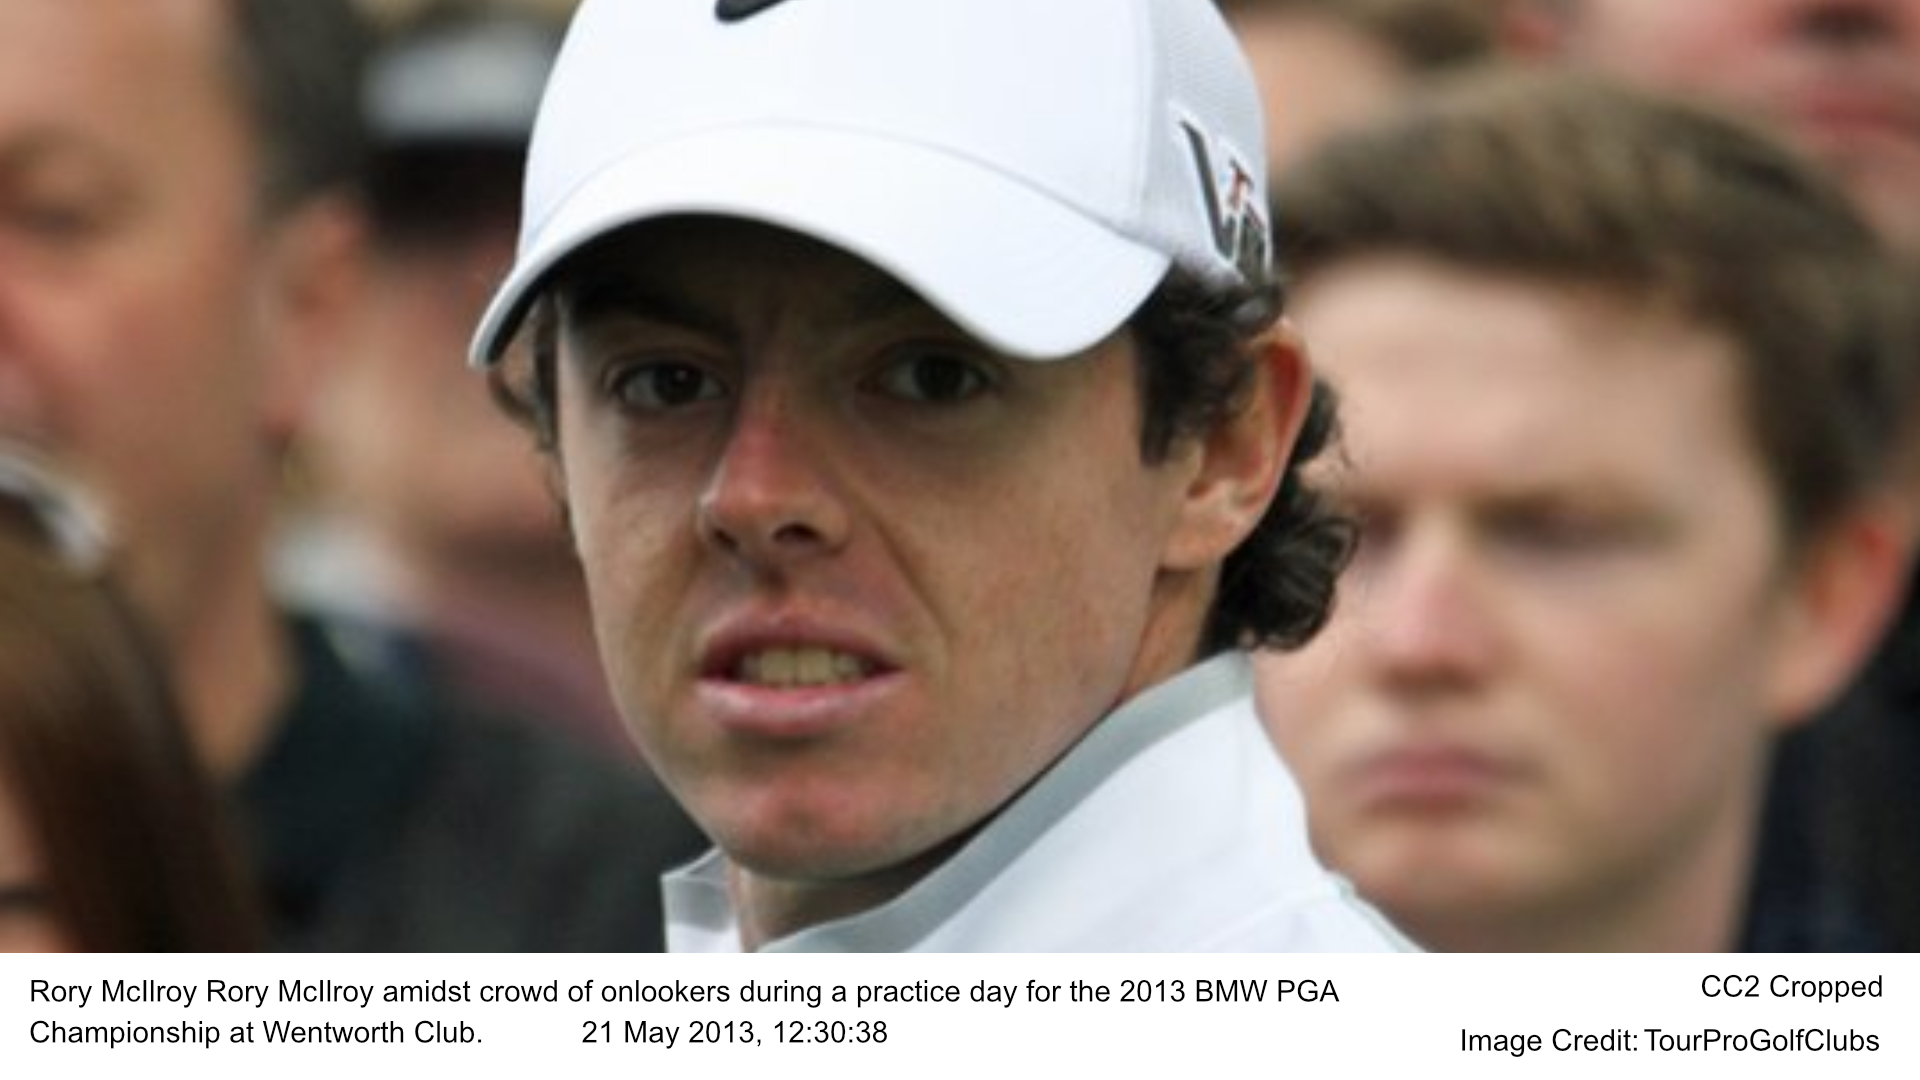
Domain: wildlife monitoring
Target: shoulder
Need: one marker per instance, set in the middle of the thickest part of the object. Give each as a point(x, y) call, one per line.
point(462, 830)
point(523, 781)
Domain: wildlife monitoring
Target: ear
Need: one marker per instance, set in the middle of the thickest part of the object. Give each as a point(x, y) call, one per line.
point(1240, 463)
point(1534, 29)
point(1847, 587)
point(315, 268)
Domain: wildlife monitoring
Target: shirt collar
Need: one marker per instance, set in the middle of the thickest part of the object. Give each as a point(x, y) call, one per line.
point(700, 910)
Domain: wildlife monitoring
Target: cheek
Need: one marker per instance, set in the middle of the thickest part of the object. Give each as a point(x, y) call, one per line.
point(624, 543)
point(1039, 621)
point(97, 358)
point(631, 599)
point(1655, 713)
point(1680, 647)
point(197, 357)
point(1301, 695)
point(1075, 568)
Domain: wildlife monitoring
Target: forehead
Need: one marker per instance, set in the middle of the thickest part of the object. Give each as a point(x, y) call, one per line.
point(1524, 378)
point(1618, 28)
point(718, 271)
point(122, 77)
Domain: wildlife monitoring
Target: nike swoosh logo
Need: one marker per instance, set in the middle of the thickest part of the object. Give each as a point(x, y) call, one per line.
point(733, 11)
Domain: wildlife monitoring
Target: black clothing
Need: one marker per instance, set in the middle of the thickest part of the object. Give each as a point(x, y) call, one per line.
point(1841, 845)
point(387, 822)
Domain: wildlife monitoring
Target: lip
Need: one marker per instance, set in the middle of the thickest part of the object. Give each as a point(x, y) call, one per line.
point(791, 713)
point(1855, 109)
point(1430, 778)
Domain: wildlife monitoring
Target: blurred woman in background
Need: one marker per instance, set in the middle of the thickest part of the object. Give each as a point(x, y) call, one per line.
point(109, 838)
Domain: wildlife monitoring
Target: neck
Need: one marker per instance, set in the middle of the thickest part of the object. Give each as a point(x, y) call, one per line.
point(233, 667)
point(772, 908)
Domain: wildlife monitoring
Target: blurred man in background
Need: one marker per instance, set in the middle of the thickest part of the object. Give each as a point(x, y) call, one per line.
point(1324, 65)
point(1622, 383)
point(180, 239)
point(1841, 80)
point(432, 533)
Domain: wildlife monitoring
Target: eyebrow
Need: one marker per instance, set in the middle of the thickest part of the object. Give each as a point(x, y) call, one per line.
point(885, 298)
point(618, 295)
point(43, 144)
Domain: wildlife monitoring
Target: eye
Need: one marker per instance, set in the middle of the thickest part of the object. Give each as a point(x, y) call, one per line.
point(1375, 531)
point(933, 377)
point(51, 222)
point(1568, 533)
point(660, 386)
point(1543, 533)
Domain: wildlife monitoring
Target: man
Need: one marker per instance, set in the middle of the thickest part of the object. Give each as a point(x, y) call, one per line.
point(1841, 80)
point(909, 374)
point(1325, 65)
point(1621, 386)
point(178, 239)
point(432, 532)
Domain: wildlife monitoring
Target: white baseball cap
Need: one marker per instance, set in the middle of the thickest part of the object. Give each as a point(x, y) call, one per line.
point(1032, 168)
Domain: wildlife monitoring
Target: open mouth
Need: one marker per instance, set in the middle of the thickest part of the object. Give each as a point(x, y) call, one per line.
point(794, 682)
point(799, 667)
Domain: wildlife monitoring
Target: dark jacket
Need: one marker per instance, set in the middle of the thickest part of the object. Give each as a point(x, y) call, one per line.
point(381, 821)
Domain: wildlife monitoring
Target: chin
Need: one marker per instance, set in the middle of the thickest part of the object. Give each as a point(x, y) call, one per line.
point(794, 847)
point(1426, 868)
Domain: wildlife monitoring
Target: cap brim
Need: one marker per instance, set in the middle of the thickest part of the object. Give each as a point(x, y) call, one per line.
point(1008, 263)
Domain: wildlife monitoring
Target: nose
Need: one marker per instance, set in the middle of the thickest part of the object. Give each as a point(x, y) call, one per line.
point(1426, 614)
point(771, 500)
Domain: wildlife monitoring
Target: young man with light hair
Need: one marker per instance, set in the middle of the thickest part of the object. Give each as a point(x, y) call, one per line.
point(1621, 384)
point(1840, 79)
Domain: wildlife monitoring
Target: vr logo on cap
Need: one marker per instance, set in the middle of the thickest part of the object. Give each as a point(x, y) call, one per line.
point(732, 11)
point(1237, 220)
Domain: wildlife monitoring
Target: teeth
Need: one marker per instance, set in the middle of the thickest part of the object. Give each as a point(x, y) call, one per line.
point(783, 668)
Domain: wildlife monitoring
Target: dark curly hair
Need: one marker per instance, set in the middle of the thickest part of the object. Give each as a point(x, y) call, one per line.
point(1276, 588)
point(1196, 364)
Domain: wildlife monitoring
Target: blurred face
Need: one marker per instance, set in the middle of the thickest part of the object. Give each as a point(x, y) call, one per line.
point(857, 579)
point(405, 436)
point(130, 314)
point(1547, 687)
point(26, 917)
point(1318, 74)
point(1841, 77)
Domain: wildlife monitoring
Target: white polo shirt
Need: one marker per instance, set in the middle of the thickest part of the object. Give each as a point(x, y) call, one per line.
point(1172, 826)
